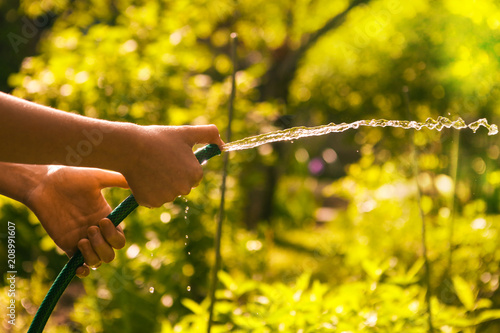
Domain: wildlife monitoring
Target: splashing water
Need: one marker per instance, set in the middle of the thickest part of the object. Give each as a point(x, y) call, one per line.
point(302, 132)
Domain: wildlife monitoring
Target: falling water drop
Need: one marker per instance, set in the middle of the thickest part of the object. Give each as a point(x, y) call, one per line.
point(189, 253)
point(188, 288)
point(151, 290)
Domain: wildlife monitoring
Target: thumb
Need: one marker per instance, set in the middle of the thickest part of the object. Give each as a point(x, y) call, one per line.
point(203, 134)
point(111, 179)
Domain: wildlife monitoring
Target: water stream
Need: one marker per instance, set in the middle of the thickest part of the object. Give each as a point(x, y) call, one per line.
point(302, 131)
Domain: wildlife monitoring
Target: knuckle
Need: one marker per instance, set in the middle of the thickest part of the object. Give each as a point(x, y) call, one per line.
point(83, 245)
point(155, 203)
point(196, 174)
point(213, 129)
point(170, 197)
point(186, 190)
point(141, 201)
point(146, 200)
point(105, 223)
point(199, 173)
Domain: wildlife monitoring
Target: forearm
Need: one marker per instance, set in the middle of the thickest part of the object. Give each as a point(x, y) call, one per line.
point(32, 133)
point(18, 180)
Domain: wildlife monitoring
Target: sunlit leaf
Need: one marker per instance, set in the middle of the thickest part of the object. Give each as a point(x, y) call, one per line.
point(487, 315)
point(193, 306)
point(464, 292)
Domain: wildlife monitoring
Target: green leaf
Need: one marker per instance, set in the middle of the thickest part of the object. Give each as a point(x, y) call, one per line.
point(415, 268)
point(464, 292)
point(483, 303)
point(227, 280)
point(487, 315)
point(372, 269)
point(193, 306)
point(303, 282)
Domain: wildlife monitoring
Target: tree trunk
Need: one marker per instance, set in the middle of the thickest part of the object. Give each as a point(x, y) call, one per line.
point(275, 87)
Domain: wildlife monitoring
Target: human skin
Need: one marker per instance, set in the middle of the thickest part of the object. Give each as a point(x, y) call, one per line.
point(70, 206)
point(157, 161)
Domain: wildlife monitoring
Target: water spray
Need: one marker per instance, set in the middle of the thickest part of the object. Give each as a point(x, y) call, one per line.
point(295, 133)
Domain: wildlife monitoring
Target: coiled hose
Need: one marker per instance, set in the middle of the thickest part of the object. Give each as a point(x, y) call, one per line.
point(69, 270)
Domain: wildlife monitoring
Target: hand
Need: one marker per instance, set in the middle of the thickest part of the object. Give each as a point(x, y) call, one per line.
point(69, 204)
point(163, 166)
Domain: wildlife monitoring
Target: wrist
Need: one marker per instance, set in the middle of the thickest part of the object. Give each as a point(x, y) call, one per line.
point(102, 144)
point(121, 145)
point(17, 181)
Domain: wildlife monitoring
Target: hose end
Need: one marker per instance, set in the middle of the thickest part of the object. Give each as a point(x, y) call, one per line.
point(205, 153)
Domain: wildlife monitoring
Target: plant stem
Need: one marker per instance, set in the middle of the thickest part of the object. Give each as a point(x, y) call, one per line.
point(453, 174)
point(415, 171)
point(218, 234)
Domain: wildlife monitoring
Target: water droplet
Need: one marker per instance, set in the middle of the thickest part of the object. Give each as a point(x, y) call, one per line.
point(188, 288)
point(185, 243)
point(187, 236)
point(189, 253)
point(151, 290)
point(93, 268)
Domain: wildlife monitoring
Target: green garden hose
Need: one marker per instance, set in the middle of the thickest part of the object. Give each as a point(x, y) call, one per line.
point(69, 270)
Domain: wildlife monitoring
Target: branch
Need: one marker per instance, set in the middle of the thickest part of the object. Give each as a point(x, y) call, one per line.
point(334, 22)
point(284, 70)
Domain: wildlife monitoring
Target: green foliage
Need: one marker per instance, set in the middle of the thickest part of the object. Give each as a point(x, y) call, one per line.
point(312, 306)
point(339, 250)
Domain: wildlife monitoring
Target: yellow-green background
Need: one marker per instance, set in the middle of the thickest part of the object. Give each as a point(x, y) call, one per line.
point(339, 251)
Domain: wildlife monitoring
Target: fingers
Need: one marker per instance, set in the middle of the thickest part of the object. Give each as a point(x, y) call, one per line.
point(113, 235)
point(99, 245)
point(82, 271)
point(103, 250)
point(90, 256)
point(204, 134)
point(111, 179)
point(168, 167)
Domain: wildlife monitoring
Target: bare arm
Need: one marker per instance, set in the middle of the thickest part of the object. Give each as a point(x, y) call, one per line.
point(33, 133)
point(157, 161)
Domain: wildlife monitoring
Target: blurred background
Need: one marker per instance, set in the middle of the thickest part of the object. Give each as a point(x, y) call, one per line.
point(321, 235)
